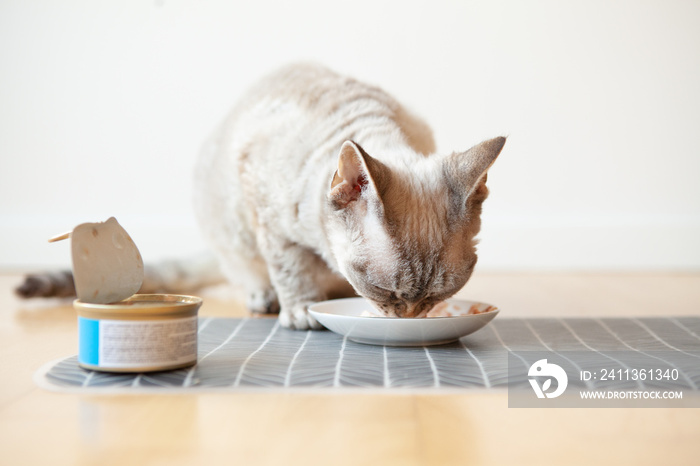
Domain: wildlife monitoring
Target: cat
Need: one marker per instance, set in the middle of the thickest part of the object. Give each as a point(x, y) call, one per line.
point(319, 186)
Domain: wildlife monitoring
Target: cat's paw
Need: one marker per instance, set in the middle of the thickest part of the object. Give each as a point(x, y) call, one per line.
point(263, 302)
point(298, 318)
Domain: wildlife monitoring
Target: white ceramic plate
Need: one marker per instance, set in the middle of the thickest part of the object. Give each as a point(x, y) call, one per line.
point(343, 316)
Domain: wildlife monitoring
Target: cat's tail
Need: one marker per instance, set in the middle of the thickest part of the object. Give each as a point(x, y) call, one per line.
point(183, 276)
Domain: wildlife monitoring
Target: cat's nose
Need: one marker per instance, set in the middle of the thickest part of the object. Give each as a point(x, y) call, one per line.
point(416, 309)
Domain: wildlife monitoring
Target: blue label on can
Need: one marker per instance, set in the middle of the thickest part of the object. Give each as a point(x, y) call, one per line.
point(89, 341)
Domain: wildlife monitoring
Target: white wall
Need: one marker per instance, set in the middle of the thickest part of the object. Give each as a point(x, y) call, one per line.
point(103, 106)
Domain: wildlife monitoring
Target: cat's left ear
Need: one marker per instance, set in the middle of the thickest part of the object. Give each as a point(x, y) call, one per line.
point(465, 171)
point(357, 173)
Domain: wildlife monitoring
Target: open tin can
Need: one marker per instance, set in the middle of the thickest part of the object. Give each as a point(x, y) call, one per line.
point(142, 333)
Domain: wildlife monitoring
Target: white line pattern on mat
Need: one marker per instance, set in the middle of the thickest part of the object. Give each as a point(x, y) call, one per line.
point(588, 382)
point(680, 324)
point(688, 379)
point(89, 377)
point(288, 376)
point(190, 375)
point(487, 383)
point(433, 367)
point(250, 356)
point(387, 378)
point(253, 354)
point(571, 330)
point(338, 365)
point(653, 334)
point(204, 324)
point(495, 332)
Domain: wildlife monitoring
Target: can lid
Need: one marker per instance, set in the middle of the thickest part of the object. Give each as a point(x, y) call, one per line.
point(142, 305)
point(107, 265)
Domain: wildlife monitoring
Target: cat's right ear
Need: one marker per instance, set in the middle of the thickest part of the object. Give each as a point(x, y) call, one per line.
point(355, 175)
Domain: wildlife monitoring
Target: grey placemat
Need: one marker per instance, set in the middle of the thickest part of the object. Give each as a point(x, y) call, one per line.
point(257, 353)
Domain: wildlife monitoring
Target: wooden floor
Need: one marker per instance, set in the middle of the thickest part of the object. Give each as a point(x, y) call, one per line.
point(40, 427)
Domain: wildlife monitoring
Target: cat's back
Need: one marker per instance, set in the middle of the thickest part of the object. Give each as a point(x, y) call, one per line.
point(320, 108)
point(288, 126)
point(314, 88)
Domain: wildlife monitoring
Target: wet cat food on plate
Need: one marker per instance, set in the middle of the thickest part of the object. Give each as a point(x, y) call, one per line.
point(443, 309)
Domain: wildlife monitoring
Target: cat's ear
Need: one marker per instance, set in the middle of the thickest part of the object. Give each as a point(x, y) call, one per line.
point(466, 170)
point(357, 174)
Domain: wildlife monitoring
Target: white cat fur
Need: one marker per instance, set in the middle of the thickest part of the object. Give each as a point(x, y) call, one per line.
point(319, 186)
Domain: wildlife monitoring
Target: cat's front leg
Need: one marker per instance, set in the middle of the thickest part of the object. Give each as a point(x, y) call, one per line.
point(297, 317)
point(297, 274)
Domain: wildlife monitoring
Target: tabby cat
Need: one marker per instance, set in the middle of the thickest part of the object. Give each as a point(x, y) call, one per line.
point(319, 186)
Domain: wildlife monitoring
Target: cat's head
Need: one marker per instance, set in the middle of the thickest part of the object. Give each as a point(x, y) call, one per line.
point(402, 231)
